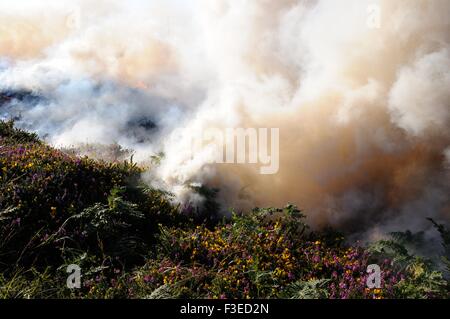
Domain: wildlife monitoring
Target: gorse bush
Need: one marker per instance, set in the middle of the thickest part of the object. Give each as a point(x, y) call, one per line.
point(132, 241)
point(12, 135)
point(41, 187)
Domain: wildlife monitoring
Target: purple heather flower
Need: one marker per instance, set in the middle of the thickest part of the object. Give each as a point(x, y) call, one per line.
point(16, 221)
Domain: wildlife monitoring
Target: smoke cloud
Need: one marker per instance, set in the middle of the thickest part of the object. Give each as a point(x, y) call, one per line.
point(360, 90)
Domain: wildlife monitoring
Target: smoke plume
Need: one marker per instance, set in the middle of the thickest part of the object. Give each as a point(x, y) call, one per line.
point(360, 90)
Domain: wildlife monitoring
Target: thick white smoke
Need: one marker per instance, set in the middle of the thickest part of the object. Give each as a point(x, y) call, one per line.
point(360, 90)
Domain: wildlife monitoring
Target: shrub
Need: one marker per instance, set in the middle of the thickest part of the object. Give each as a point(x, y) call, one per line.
point(132, 241)
point(12, 135)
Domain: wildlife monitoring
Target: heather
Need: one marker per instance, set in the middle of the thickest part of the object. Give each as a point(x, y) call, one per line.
point(134, 241)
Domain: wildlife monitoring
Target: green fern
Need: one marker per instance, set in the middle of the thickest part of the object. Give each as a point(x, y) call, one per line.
point(313, 289)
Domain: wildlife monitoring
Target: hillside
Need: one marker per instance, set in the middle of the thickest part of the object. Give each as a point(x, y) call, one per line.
point(132, 241)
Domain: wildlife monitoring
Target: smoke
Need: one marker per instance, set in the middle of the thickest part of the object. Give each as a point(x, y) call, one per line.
point(359, 89)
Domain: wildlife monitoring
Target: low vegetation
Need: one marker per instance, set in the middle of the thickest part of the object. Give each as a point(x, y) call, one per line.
point(132, 241)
